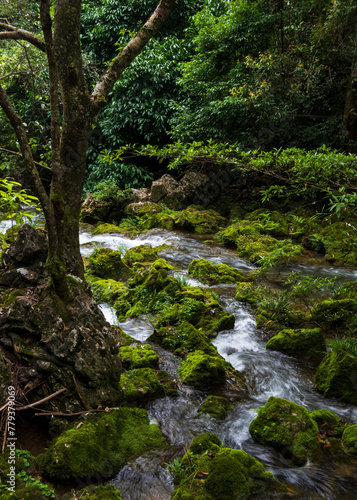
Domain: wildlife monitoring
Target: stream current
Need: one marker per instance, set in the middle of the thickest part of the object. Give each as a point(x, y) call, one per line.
point(268, 373)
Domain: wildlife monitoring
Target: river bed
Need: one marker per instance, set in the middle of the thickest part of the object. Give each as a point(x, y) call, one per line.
point(268, 373)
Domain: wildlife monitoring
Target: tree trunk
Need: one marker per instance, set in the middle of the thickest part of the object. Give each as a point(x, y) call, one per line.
point(350, 114)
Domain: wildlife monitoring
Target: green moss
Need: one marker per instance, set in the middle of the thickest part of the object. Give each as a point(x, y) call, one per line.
point(349, 439)
point(288, 428)
point(107, 229)
point(328, 422)
point(210, 472)
point(103, 290)
point(182, 339)
point(107, 264)
point(336, 376)
point(101, 445)
point(334, 314)
point(101, 492)
point(9, 296)
point(161, 264)
point(305, 343)
point(252, 242)
point(146, 383)
point(202, 370)
point(246, 292)
point(340, 243)
point(27, 487)
point(205, 442)
point(140, 356)
point(211, 274)
point(4, 378)
point(141, 253)
point(215, 406)
point(233, 474)
point(199, 221)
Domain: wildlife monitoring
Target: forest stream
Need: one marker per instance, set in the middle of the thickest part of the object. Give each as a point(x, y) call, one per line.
point(268, 373)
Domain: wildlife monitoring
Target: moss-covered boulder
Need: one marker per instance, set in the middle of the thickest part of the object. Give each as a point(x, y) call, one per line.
point(328, 423)
point(182, 339)
point(336, 314)
point(140, 356)
point(216, 407)
point(211, 472)
point(107, 229)
point(340, 243)
point(202, 370)
point(161, 264)
point(247, 292)
point(303, 343)
point(143, 384)
point(349, 439)
point(107, 264)
point(100, 444)
point(101, 492)
point(105, 290)
point(212, 274)
point(253, 243)
point(336, 376)
point(287, 427)
point(199, 221)
point(141, 253)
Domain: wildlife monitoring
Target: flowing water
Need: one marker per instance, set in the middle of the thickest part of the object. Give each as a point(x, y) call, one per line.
point(268, 373)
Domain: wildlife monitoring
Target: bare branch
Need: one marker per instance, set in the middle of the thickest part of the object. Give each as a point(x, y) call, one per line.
point(13, 33)
point(32, 405)
point(132, 49)
point(15, 153)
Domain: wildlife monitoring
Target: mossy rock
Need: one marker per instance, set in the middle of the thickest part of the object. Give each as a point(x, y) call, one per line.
point(199, 221)
point(202, 370)
point(123, 338)
point(205, 442)
point(335, 314)
point(107, 229)
point(303, 343)
point(228, 235)
point(201, 309)
point(141, 253)
point(107, 264)
point(105, 290)
point(101, 445)
point(161, 264)
point(143, 384)
point(140, 356)
point(144, 208)
point(349, 440)
point(216, 407)
point(101, 492)
point(211, 472)
point(336, 376)
point(340, 242)
point(247, 292)
point(182, 339)
point(328, 422)
point(270, 222)
point(212, 274)
point(287, 427)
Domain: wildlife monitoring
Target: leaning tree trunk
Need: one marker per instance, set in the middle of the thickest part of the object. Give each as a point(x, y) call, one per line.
point(69, 138)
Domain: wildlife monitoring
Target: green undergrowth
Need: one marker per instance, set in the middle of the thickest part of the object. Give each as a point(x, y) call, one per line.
point(99, 444)
point(26, 486)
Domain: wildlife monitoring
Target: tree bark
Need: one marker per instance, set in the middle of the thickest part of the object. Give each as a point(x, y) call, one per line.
point(350, 113)
point(80, 114)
